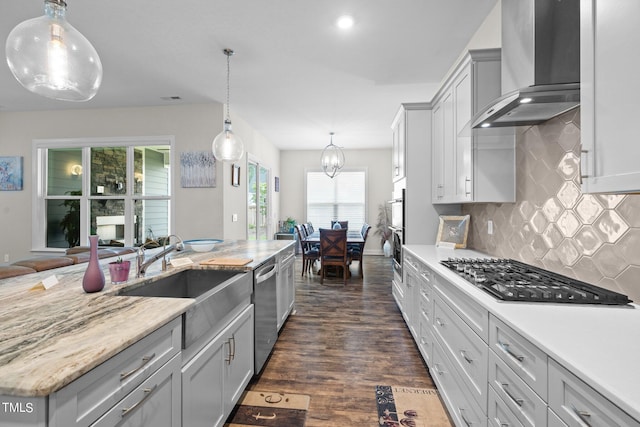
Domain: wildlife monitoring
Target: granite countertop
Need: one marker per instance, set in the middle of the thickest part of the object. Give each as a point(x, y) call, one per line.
point(50, 338)
point(599, 344)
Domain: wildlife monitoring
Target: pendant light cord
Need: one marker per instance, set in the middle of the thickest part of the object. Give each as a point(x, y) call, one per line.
point(228, 52)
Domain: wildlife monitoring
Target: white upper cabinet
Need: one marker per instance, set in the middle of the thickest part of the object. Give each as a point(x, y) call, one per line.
point(609, 91)
point(399, 147)
point(471, 165)
point(443, 142)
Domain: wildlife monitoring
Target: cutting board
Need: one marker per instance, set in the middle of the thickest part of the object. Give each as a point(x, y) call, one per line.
point(227, 261)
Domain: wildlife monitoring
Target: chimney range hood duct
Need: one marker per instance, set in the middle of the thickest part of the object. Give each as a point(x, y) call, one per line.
point(540, 63)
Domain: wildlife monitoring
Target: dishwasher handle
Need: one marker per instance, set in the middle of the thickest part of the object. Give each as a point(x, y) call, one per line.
point(265, 273)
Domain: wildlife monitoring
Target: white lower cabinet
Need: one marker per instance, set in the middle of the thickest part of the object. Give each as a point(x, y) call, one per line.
point(285, 288)
point(527, 361)
point(155, 403)
point(411, 279)
point(527, 407)
point(553, 420)
point(464, 348)
point(462, 408)
point(125, 389)
point(577, 404)
point(498, 412)
point(214, 379)
point(485, 371)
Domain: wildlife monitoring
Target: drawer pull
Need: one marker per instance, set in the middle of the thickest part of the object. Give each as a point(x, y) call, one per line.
point(463, 353)
point(438, 370)
point(439, 321)
point(147, 393)
point(145, 360)
point(517, 401)
point(464, 419)
point(507, 350)
point(584, 416)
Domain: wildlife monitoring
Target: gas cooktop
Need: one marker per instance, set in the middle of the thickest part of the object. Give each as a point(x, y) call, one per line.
point(511, 280)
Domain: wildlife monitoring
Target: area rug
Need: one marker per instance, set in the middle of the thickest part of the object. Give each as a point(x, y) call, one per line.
point(410, 407)
point(261, 408)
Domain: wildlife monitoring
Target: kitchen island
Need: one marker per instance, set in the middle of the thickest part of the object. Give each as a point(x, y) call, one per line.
point(50, 338)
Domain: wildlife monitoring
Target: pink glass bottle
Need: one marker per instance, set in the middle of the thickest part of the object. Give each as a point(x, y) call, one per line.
point(93, 280)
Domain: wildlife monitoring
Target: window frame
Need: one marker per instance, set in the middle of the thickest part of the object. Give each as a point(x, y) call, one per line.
point(39, 178)
point(364, 170)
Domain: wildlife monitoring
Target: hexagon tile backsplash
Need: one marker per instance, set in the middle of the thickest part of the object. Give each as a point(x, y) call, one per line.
point(594, 238)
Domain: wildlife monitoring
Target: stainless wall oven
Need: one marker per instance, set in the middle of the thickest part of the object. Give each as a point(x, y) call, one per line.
point(397, 251)
point(397, 227)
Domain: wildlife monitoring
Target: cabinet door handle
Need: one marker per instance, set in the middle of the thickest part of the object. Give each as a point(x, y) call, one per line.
point(232, 350)
point(464, 419)
point(147, 393)
point(507, 350)
point(517, 401)
point(438, 370)
point(145, 360)
point(463, 353)
point(583, 165)
point(439, 321)
point(584, 416)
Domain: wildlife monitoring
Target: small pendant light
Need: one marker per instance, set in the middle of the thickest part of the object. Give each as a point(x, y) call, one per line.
point(227, 146)
point(50, 57)
point(332, 159)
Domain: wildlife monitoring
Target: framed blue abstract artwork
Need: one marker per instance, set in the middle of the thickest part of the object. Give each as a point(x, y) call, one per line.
point(10, 173)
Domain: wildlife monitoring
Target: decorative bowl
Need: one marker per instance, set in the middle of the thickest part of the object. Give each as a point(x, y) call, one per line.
point(201, 245)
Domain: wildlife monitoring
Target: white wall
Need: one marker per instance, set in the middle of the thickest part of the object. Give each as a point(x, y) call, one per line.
point(379, 186)
point(488, 35)
point(199, 212)
point(235, 198)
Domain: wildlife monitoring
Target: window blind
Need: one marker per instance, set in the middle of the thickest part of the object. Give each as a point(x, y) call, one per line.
point(341, 198)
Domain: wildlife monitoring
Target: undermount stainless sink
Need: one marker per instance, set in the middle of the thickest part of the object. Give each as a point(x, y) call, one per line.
point(216, 292)
point(186, 284)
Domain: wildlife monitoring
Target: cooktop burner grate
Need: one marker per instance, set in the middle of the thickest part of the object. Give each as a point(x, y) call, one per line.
point(511, 280)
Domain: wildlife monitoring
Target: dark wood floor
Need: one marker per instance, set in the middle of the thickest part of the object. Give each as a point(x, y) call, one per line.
point(342, 342)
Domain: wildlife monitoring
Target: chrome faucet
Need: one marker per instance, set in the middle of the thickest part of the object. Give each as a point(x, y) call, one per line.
point(143, 263)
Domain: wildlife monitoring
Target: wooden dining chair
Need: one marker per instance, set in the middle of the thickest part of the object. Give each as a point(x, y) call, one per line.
point(310, 254)
point(333, 252)
point(356, 250)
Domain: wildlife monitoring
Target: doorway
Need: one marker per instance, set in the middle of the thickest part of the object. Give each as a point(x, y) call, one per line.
point(258, 204)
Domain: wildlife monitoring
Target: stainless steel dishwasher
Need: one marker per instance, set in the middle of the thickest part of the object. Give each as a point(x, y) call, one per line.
point(266, 314)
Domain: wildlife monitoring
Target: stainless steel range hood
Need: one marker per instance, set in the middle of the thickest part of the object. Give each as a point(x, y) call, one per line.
point(540, 63)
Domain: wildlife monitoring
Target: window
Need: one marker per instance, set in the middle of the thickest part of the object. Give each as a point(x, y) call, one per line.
point(340, 198)
point(119, 189)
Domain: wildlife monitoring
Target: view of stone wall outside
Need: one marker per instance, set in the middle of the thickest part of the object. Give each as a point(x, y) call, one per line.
point(594, 238)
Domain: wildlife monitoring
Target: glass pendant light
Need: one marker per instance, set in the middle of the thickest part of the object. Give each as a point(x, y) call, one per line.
point(51, 58)
point(227, 146)
point(332, 159)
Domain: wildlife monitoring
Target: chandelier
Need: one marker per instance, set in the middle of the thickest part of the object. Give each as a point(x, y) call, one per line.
point(51, 58)
point(332, 159)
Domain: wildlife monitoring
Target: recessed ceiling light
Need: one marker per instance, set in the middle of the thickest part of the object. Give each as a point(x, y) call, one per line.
point(345, 22)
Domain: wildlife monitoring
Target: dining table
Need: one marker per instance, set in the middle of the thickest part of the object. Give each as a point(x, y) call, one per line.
point(353, 236)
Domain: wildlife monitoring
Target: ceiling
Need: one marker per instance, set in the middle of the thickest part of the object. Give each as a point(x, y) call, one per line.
point(295, 76)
